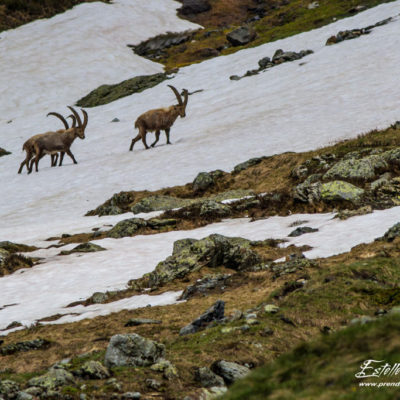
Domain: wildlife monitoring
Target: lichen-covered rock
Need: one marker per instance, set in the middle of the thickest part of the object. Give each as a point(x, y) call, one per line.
point(157, 223)
point(93, 370)
point(214, 314)
point(340, 190)
point(241, 36)
point(8, 389)
point(207, 378)
point(132, 350)
point(307, 192)
point(167, 368)
point(190, 255)
point(203, 181)
point(127, 227)
point(212, 208)
point(159, 202)
point(291, 266)
point(301, 230)
point(247, 164)
point(391, 234)
point(229, 371)
point(35, 344)
point(382, 180)
point(364, 169)
point(107, 93)
point(52, 380)
point(24, 396)
point(84, 248)
point(99, 298)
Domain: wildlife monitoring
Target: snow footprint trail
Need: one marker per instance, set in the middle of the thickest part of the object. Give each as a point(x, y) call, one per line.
point(47, 289)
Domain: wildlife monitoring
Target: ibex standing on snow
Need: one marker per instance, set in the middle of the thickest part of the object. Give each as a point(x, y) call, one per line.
point(160, 119)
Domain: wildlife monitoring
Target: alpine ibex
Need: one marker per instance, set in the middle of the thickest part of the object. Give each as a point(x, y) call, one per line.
point(60, 141)
point(160, 119)
point(28, 145)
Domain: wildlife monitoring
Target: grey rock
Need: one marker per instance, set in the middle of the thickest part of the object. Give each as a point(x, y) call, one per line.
point(264, 62)
point(249, 163)
point(364, 319)
point(8, 389)
point(301, 231)
point(391, 233)
point(131, 396)
point(159, 202)
point(127, 227)
point(203, 181)
point(214, 314)
point(52, 380)
point(340, 191)
point(93, 370)
point(229, 371)
point(166, 367)
point(271, 309)
point(115, 120)
point(212, 208)
point(84, 248)
point(194, 7)
point(204, 285)
point(132, 350)
point(308, 192)
point(99, 297)
point(382, 180)
point(153, 384)
point(24, 396)
point(241, 36)
point(235, 78)
point(207, 378)
point(35, 344)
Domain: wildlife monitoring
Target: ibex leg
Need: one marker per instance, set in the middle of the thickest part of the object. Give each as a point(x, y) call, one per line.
point(25, 162)
point(157, 137)
point(71, 155)
point(136, 139)
point(54, 159)
point(167, 135)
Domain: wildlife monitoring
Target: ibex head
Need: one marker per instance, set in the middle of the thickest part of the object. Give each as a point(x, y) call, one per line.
point(181, 107)
point(80, 129)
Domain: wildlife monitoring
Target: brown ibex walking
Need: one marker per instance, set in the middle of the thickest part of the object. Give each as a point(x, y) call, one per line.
point(160, 119)
point(28, 145)
point(60, 141)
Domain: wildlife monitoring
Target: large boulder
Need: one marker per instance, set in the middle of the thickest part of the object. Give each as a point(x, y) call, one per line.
point(215, 313)
point(241, 36)
point(364, 169)
point(132, 350)
point(229, 371)
point(52, 380)
point(190, 255)
point(339, 191)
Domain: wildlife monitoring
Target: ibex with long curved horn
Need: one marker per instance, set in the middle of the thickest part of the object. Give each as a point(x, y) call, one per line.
point(60, 141)
point(160, 119)
point(28, 145)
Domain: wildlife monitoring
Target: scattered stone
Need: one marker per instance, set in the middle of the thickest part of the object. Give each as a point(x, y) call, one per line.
point(98, 298)
point(207, 378)
point(141, 321)
point(271, 309)
point(287, 320)
point(36, 344)
point(267, 331)
point(241, 36)
point(131, 396)
point(340, 190)
point(9, 389)
point(307, 192)
point(83, 248)
point(214, 314)
point(52, 380)
point(204, 285)
point(345, 214)
point(301, 231)
point(212, 208)
point(203, 181)
point(364, 319)
point(167, 368)
point(382, 180)
point(115, 120)
point(247, 164)
point(127, 227)
point(153, 384)
point(113, 384)
point(235, 78)
point(194, 7)
point(391, 234)
point(93, 370)
point(292, 265)
point(265, 62)
point(229, 371)
point(313, 5)
point(132, 350)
